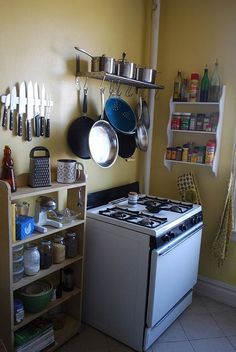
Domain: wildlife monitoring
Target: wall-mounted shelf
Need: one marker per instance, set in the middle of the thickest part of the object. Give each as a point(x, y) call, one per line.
point(118, 79)
point(197, 107)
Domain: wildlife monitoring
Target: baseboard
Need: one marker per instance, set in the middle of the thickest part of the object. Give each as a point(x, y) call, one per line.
point(216, 290)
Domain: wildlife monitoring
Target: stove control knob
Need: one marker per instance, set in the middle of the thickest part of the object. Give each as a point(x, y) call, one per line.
point(165, 238)
point(194, 220)
point(183, 227)
point(199, 218)
point(171, 235)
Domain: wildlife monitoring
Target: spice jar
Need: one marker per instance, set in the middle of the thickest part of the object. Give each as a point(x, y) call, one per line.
point(31, 259)
point(59, 250)
point(46, 251)
point(71, 243)
point(210, 152)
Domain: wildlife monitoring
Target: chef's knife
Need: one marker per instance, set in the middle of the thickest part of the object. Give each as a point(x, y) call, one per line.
point(12, 107)
point(42, 111)
point(48, 111)
point(30, 106)
point(36, 110)
point(22, 103)
point(6, 107)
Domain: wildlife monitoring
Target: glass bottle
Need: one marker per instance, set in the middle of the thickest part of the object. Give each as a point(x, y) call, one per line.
point(177, 87)
point(204, 88)
point(214, 91)
point(46, 251)
point(31, 259)
point(8, 174)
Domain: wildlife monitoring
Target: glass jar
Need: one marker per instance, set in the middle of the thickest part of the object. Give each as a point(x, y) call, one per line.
point(68, 279)
point(46, 251)
point(71, 243)
point(59, 249)
point(31, 259)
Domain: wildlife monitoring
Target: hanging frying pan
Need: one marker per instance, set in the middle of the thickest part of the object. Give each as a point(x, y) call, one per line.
point(145, 116)
point(78, 132)
point(120, 115)
point(141, 134)
point(103, 140)
point(127, 144)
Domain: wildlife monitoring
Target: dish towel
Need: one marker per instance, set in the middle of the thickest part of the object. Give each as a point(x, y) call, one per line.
point(221, 241)
point(188, 189)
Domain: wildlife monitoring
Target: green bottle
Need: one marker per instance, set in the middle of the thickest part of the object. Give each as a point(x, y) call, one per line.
point(204, 88)
point(214, 90)
point(177, 87)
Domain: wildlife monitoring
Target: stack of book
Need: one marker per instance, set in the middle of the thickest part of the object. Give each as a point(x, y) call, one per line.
point(36, 336)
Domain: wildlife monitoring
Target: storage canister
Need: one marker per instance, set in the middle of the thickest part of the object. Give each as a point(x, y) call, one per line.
point(71, 243)
point(185, 119)
point(31, 259)
point(17, 251)
point(18, 263)
point(59, 249)
point(46, 251)
point(210, 152)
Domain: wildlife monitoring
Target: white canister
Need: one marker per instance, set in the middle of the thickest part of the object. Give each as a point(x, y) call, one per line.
point(31, 259)
point(68, 170)
point(132, 198)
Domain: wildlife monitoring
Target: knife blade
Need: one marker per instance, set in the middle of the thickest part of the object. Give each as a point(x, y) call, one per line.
point(22, 108)
point(6, 107)
point(42, 111)
point(48, 112)
point(36, 110)
point(30, 106)
point(12, 107)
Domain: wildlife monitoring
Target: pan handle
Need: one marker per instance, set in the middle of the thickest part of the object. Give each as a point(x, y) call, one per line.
point(102, 102)
point(140, 108)
point(83, 51)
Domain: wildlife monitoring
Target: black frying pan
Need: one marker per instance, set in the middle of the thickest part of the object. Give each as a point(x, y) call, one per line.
point(127, 144)
point(78, 132)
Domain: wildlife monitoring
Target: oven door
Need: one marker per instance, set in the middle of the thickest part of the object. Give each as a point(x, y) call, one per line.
point(173, 273)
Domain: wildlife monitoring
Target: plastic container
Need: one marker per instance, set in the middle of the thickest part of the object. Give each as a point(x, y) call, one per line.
point(17, 275)
point(17, 251)
point(31, 259)
point(18, 263)
point(19, 312)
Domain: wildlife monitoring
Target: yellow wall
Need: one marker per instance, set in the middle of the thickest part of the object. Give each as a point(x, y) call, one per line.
point(37, 43)
point(192, 34)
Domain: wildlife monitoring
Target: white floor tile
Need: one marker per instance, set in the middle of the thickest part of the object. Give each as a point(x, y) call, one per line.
point(197, 326)
point(174, 333)
point(179, 346)
point(212, 345)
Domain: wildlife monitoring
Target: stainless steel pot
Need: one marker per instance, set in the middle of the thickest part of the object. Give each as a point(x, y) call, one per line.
point(146, 74)
point(100, 63)
point(125, 68)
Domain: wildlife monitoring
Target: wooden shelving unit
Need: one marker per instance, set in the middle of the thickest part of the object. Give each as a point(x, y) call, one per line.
point(70, 301)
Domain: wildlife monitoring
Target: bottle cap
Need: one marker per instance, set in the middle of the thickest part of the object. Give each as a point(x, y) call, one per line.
point(195, 76)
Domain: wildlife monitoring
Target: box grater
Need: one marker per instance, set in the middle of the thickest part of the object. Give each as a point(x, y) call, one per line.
point(40, 171)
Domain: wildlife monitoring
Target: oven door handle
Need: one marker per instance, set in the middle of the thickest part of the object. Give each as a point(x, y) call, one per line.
point(180, 239)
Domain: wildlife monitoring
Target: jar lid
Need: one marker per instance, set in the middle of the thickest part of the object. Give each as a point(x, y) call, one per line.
point(17, 248)
point(195, 76)
point(46, 242)
point(186, 113)
point(31, 246)
point(71, 234)
point(58, 238)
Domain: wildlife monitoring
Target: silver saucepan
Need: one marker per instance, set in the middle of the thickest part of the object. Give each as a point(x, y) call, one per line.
point(100, 63)
point(146, 74)
point(125, 68)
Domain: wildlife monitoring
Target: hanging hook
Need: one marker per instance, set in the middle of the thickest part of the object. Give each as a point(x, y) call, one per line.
point(102, 83)
point(86, 83)
point(77, 83)
point(118, 89)
point(129, 91)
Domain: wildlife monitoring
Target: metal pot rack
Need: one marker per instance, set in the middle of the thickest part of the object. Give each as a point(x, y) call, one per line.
point(118, 79)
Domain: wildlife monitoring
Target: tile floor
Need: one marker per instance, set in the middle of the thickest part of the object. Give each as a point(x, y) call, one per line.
point(205, 326)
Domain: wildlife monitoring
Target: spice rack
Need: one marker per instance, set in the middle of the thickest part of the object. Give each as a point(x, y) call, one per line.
point(188, 135)
point(70, 302)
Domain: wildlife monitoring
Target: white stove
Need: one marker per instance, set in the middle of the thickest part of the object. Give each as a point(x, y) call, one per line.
point(141, 266)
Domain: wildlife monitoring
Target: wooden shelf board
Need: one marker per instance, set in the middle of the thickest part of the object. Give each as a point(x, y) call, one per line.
point(30, 316)
point(186, 162)
point(51, 230)
point(42, 273)
point(190, 131)
point(55, 187)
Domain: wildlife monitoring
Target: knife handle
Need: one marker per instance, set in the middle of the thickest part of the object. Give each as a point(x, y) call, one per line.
point(28, 130)
point(19, 126)
point(11, 120)
point(4, 118)
point(36, 125)
point(47, 130)
point(42, 125)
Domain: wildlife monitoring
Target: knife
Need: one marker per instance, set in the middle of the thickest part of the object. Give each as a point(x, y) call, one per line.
point(22, 103)
point(12, 107)
point(6, 107)
point(36, 110)
point(42, 111)
point(48, 111)
point(30, 106)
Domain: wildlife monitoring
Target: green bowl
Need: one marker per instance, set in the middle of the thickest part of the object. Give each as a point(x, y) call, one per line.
point(36, 296)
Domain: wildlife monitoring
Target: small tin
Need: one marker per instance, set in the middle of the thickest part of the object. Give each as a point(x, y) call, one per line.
point(185, 154)
point(206, 124)
point(175, 121)
point(185, 119)
point(192, 122)
point(179, 151)
point(168, 153)
point(199, 123)
point(173, 153)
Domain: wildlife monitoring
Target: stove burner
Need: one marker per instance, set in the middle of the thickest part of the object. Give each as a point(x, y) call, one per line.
point(119, 215)
point(147, 222)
